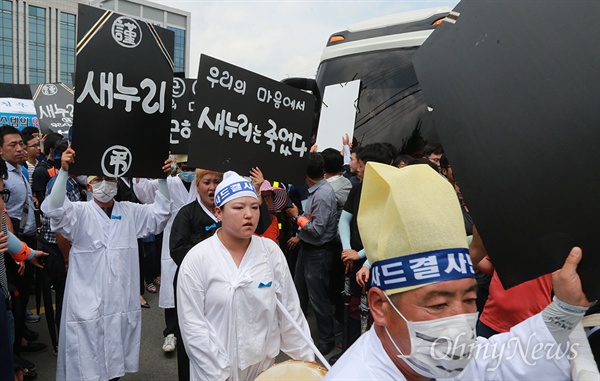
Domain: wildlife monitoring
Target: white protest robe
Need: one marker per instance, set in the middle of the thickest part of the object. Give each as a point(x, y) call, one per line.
point(180, 196)
point(513, 355)
point(228, 316)
point(101, 319)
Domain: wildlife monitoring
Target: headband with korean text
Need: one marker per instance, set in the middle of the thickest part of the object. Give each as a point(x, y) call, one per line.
point(422, 268)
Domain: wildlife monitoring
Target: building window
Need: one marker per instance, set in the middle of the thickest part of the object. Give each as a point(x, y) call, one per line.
point(6, 42)
point(37, 45)
point(67, 46)
point(179, 58)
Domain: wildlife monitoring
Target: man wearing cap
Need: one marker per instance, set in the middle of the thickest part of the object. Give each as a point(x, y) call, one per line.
point(228, 289)
point(100, 327)
point(423, 298)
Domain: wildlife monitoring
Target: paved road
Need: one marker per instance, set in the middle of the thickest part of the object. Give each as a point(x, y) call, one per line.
point(155, 365)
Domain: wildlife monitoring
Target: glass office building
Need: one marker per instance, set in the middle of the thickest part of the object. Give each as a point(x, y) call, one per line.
point(38, 37)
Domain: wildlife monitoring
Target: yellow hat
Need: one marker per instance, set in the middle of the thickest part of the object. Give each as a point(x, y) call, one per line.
point(412, 228)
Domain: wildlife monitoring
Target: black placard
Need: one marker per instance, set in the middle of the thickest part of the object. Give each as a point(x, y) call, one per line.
point(16, 106)
point(13, 90)
point(514, 88)
point(183, 117)
point(54, 107)
point(247, 120)
point(123, 91)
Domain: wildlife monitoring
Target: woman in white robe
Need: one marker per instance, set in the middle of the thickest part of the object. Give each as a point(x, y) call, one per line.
point(227, 290)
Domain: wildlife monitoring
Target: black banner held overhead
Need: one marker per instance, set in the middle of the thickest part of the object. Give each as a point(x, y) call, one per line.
point(516, 105)
point(183, 116)
point(16, 106)
point(122, 95)
point(247, 120)
point(54, 107)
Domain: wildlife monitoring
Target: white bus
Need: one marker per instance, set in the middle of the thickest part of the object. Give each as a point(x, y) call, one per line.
point(378, 52)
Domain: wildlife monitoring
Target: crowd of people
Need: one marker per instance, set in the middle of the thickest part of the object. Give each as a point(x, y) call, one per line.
point(238, 259)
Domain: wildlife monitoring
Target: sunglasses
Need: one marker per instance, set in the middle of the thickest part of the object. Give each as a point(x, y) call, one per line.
point(5, 195)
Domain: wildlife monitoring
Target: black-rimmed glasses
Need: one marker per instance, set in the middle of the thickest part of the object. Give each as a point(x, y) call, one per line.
point(5, 195)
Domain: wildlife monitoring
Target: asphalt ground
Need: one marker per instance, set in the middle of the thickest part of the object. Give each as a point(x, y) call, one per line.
point(155, 365)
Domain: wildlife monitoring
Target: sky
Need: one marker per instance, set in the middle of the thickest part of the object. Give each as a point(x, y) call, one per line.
point(277, 39)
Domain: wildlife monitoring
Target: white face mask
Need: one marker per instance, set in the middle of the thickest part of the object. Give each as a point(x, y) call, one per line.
point(440, 348)
point(104, 191)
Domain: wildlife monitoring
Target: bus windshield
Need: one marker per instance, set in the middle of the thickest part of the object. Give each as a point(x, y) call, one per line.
point(390, 102)
point(379, 52)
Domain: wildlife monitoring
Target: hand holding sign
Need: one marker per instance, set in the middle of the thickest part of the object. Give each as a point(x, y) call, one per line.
point(566, 282)
point(168, 167)
point(257, 178)
point(67, 158)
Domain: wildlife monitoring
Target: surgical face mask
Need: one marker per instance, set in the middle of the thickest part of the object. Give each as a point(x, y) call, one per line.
point(104, 191)
point(188, 177)
point(439, 348)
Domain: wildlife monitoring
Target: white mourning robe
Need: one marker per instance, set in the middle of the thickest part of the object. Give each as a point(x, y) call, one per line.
point(180, 196)
point(366, 359)
point(228, 316)
point(101, 319)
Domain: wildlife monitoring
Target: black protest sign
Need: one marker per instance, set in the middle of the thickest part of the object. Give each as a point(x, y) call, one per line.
point(182, 114)
point(16, 106)
point(54, 107)
point(13, 90)
point(123, 90)
point(247, 120)
point(514, 88)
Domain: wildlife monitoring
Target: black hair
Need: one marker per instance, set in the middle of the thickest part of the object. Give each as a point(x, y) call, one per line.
point(392, 148)
point(402, 158)
point(444, 163)
point(433, 149)
point(27, 137)
point(377, 152)
point(356, 149)
point(314, 170)
point(50, 141)
point(30, 131)
point(424, 161)
point(61, 146)
point(334, 161)
point(7, 130)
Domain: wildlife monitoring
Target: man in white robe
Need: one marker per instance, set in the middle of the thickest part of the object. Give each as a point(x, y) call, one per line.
point(101, 318)
point(227, 311)
point(423, 295)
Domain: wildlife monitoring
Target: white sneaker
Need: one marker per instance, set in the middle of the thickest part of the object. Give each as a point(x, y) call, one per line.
point(170, 343)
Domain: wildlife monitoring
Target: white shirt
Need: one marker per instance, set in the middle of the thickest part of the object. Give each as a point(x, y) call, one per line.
point(366, 359)
point(228, 315)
